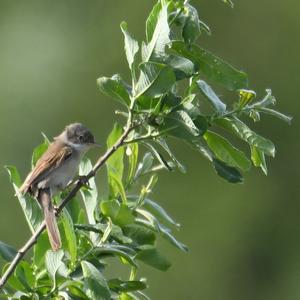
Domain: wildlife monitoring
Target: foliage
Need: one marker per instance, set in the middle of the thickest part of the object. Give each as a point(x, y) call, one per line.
point(170, 96)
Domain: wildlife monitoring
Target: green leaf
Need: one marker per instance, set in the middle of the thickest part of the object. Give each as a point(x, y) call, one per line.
point(155, 79)
point(118, 285)
point(96, 285)
point(182, 66)
point(201, 123)
point(150, 256)
point(75, 291)
point(230, 174)
point(276, 113)
point(152, 21)
point(191, 29)
point(7, 252)
point(180, 124)
point(145, 165)
point(90, 196)
point(159, 212)
point(39, 151)
point(115, 87)
point(113, 249)
point(163, 230)
point(132, 153)
point(124, 216)
point(74, 209)
point(211, 96)
point(53, 261)
point(160, 36)
point(70, 234)
point(162, 142)
point(115, 164)
point(30, 207)
point(226, 152)
point(229, 2)
point(212, 66)
point(159, 157)
point(139, 234)
point(131, 45)
point(258, 159)
point(120, 214)
point(245, 133)
point(24, 274)
point(40, 249)
point(110, 208)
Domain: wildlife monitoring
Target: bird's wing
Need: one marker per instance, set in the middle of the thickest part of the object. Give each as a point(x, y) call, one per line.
point(49, 161)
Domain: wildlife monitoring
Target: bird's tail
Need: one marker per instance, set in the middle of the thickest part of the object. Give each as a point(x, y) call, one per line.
point(44, 198)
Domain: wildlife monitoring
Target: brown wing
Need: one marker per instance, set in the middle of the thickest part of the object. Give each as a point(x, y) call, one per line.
point(49, 161)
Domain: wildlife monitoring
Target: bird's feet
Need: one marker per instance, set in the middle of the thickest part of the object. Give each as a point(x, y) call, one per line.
point(83, 181)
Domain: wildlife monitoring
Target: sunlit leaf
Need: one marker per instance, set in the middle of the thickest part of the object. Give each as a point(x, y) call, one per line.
point(39, 151)
point(24, 274)
point(126, 286)
point(258, 159)
point(110, 208)
point(213, 67)
point(155, 79)
point(159, 212)
point(245, 133)
point(182, 66)
point(276, 113)
point(30, 207)
point(53, 261)
point(145, 165)
point(131, 45)
point(132, 159)
point(226, 152)
point(96, 285)
point(70, 234)
point(159, 37)
point(211, 96)
point(162, 142)
point(159, 156)
point(90, 196)
point(179, 123)
point(115, 88)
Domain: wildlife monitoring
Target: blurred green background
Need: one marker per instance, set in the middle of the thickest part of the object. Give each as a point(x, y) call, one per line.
point(244, 239)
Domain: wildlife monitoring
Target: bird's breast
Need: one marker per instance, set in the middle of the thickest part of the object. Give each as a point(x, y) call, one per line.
point(59, 178)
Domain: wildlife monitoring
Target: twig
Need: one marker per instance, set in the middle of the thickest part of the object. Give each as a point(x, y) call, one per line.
point(100, 162)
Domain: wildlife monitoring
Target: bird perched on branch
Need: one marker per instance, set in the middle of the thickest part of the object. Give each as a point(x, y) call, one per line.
point(56, 168)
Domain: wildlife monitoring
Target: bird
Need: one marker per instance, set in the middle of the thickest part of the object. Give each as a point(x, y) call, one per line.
point(54, 170)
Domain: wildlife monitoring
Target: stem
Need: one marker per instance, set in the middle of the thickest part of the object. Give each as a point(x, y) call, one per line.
point(100, 162)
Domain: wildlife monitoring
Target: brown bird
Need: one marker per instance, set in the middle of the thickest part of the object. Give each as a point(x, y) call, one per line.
point(55, 169)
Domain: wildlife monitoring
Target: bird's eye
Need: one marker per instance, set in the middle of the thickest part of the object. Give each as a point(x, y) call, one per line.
point(80, 138)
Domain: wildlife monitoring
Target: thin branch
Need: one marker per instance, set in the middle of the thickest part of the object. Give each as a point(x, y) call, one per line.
point(100, 162)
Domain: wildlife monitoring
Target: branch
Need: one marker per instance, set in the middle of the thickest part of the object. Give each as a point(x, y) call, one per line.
point(100, 162)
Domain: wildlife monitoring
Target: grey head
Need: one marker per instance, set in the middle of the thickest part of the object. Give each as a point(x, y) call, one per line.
point(77, 135)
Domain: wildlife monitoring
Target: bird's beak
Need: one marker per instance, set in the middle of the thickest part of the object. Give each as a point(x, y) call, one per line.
point(95, 145)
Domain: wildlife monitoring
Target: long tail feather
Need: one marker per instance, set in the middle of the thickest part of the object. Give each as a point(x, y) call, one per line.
point(50, 219)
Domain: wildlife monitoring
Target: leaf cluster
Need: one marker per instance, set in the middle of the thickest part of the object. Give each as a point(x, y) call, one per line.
point(170, 95)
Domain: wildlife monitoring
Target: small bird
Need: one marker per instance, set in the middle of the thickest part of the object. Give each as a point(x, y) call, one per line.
point(56, 168)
